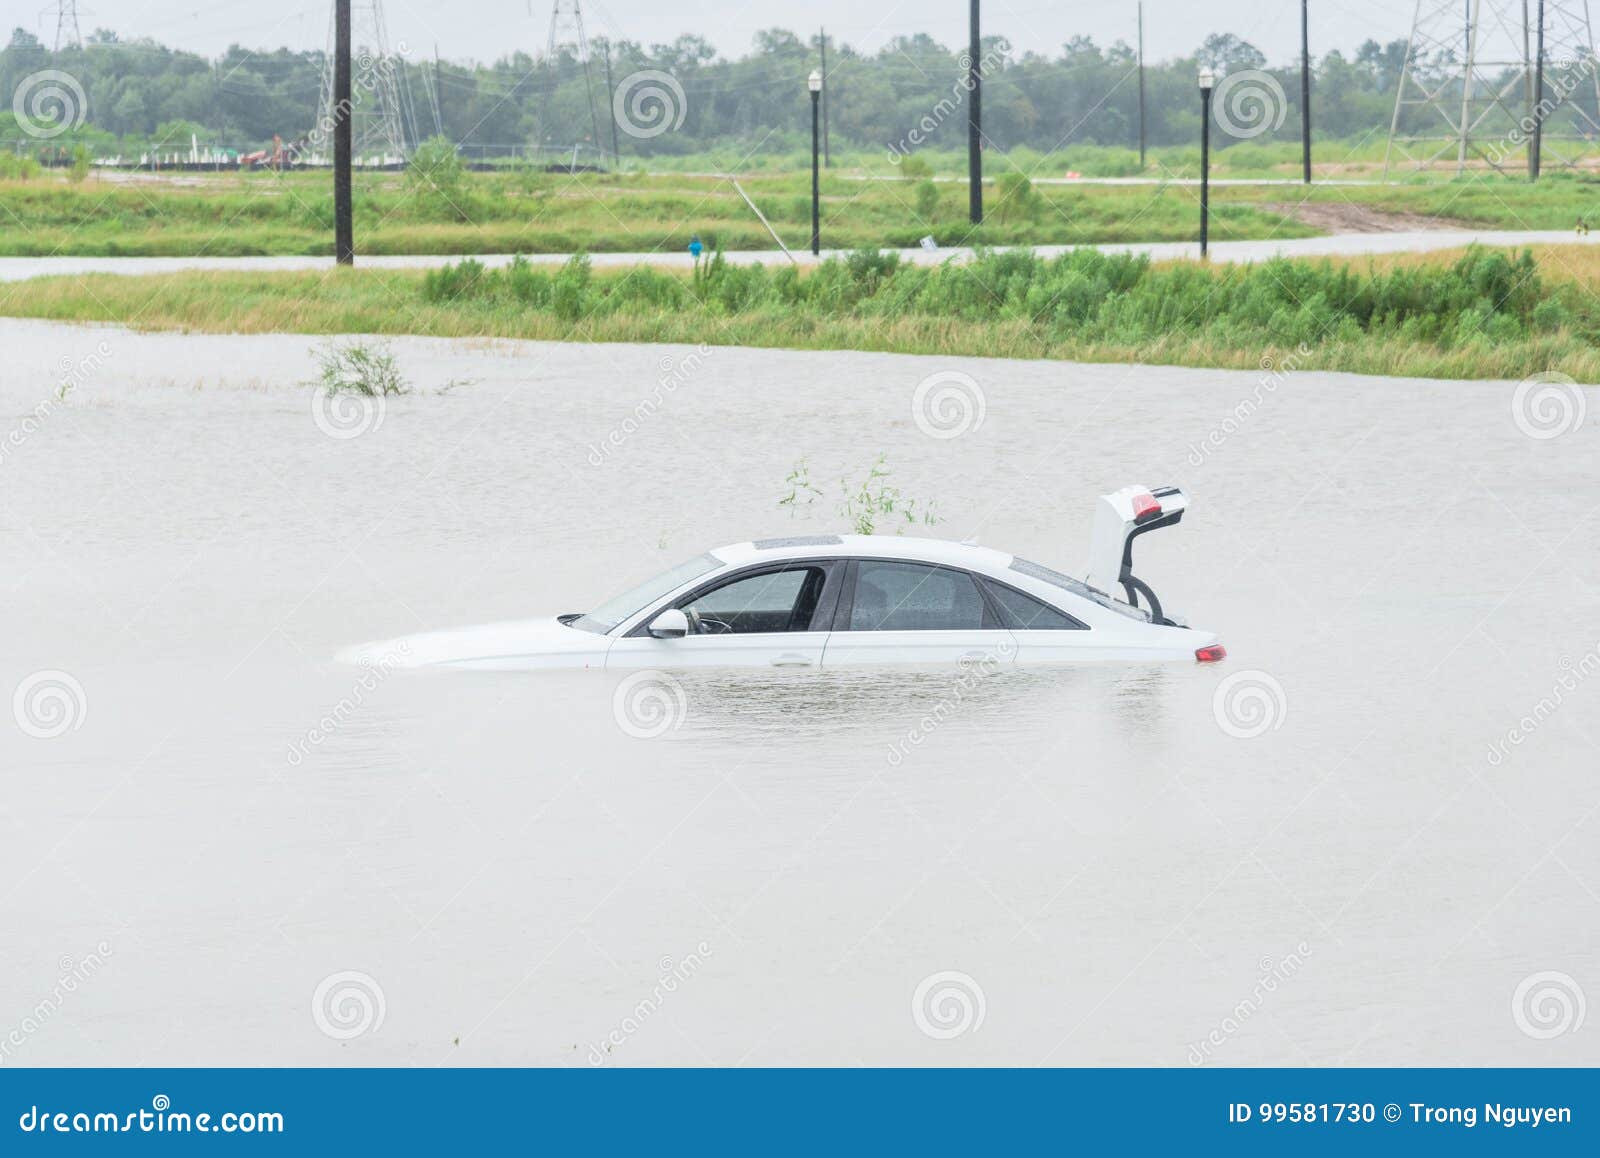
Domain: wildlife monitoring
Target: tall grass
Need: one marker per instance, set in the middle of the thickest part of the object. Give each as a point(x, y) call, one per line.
point(1472, 314)
point(1483, 297)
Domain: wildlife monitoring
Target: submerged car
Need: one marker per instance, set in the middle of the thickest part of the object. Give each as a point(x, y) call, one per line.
point(834, 600)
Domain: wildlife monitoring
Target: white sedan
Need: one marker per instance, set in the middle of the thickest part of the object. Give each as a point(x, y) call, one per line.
point(835, 600)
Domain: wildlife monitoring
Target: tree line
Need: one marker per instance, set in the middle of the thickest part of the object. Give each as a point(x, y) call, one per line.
point(139, 93)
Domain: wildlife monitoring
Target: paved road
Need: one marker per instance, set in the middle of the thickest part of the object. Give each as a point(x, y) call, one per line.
point(1338, 244)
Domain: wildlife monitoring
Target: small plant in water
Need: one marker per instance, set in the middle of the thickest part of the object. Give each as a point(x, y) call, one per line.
point(862, 504)
point(357, 368)
point(801, 493)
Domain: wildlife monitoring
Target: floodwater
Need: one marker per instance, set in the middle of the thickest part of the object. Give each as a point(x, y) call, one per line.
point(1368, 837)
point(1330, 245)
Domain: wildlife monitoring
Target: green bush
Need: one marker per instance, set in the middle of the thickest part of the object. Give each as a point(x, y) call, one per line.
point(457, 282)
point(1017, 199)
point(914, 168)
point(354, 367)
point(1485, 296)
point(569, 293)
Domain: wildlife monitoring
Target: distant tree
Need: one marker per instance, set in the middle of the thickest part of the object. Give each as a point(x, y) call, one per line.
point(909, 94)
point(1227, 53)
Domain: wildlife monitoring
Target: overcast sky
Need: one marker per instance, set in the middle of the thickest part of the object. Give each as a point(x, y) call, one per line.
point(485, 29)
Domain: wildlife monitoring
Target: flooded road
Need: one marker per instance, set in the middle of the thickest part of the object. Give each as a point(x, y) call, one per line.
point(1424, 238)
point(1368, 837)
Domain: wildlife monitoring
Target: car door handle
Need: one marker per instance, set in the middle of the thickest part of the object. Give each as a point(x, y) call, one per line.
point(791, 659)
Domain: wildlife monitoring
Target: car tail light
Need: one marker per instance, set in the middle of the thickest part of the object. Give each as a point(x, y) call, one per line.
point(1211, 653)
point(1145, 507)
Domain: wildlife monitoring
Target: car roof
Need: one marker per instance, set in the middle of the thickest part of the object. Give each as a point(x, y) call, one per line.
point(825, 546)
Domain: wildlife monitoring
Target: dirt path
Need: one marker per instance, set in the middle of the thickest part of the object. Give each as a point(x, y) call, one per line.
point(1348, 217)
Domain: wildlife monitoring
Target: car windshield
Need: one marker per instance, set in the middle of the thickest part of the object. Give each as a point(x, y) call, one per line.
point(613, 611)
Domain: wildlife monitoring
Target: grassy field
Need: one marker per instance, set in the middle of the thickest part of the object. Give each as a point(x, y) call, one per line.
point(528, 212)
point(551, 213)
point(1473, 314)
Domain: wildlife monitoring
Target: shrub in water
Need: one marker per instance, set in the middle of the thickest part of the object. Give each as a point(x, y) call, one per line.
point(358, 368)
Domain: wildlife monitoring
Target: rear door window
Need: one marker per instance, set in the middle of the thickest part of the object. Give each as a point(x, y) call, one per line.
point(916, 597)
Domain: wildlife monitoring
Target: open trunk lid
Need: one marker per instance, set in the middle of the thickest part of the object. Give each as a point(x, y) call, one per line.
point(1119, 518)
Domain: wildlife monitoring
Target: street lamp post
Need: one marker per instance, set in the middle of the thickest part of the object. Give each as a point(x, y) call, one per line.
point(814, 83)
point(1207, 80)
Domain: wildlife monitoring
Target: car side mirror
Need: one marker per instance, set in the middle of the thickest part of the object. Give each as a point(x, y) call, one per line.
point(669, 624)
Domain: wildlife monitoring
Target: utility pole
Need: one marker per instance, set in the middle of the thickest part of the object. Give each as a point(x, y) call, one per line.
point(827, 155)
point(1537, 143)
point(344, 242)
point(1207, 80)
point(1305, 91)
point(611, 97)
point(1141, 85)
point(974, 123)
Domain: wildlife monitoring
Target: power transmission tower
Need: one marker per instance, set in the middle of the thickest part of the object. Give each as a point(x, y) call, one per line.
point(1470, 87)
point(382, 120)
point(67, 33)
point(566, 35)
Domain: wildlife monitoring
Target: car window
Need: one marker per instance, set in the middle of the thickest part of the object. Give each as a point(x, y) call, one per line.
point(773, 601)
point(1025, 613)
point(1077, 587)
point(915, 597)
point(613, 611)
